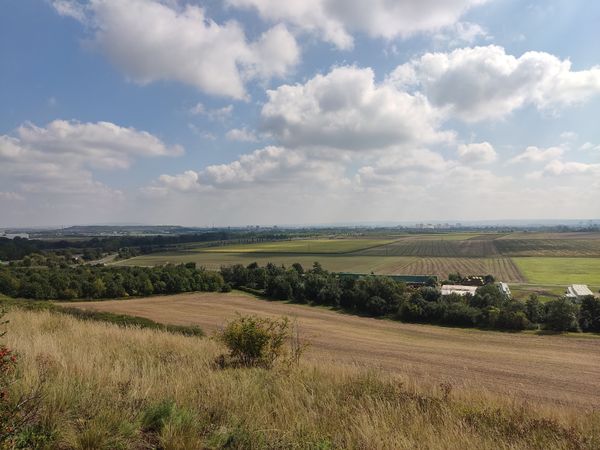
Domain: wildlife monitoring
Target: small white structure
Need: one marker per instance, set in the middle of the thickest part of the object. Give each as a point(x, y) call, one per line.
point(503, 287)
point(577, 291)
point(448, 289)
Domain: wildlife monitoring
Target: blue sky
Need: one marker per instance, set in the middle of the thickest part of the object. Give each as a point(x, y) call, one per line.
point(258, 112)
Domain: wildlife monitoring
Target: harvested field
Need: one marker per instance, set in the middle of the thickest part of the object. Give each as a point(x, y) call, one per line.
point(541, 368)
point(549, 247)
point(335, 263)
point(302, 246)
point(480, 248)
point(501, 268)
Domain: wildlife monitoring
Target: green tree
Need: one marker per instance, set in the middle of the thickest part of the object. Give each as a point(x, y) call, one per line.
point(561, 315)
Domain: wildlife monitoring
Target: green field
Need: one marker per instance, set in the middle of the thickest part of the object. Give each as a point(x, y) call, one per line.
point(317, 246)
point(562, 271)
point(541, 262)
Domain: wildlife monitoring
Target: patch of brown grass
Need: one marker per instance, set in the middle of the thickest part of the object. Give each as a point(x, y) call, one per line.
point(111, 387)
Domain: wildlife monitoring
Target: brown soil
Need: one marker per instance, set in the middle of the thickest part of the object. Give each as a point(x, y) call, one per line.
point(563, 369)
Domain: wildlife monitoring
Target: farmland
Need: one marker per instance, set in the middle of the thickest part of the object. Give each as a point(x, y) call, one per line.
point(316, 246)
point(541, 368)
point(552, 258)
point(560, 270)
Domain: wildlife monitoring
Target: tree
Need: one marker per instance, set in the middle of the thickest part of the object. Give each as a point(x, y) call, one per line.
point(589, 318)
point(561, 315)
point(533, 309)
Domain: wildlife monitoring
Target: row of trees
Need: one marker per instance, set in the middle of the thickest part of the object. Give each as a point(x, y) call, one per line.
point(381, 296)
point(18, 248)
point(95, 282)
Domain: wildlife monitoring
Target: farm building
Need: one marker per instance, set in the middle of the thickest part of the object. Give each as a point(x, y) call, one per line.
point(503, 287)
point(448, 289)
point(577, 291)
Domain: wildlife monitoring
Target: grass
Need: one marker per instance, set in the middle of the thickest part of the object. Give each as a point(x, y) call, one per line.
point(315, 246)
point(122, 320)
point(107, 387)
point(561, 271)
point(541, 369)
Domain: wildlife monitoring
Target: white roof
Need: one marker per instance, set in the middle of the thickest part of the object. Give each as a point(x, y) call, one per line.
point(448, 289)
point(579, 290)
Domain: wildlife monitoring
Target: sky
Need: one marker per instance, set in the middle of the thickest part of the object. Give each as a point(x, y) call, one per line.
point(261, 112)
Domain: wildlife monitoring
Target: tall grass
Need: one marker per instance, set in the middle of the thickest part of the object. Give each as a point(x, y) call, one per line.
point(107, 387)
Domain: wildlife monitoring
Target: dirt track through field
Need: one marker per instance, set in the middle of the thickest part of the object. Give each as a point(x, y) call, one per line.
point(544, 368)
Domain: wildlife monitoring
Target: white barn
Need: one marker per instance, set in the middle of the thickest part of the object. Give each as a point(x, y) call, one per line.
point(577, 291)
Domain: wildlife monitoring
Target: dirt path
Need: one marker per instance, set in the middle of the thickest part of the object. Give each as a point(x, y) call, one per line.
point(545, 368)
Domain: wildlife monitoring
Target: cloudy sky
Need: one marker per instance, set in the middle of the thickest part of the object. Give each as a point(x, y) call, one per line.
point(238, 112)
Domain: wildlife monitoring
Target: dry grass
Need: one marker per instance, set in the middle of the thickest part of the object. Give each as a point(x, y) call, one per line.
point(108, 387)
point(541, 368)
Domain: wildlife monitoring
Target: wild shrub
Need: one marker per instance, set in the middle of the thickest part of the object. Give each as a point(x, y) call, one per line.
point(255, 341)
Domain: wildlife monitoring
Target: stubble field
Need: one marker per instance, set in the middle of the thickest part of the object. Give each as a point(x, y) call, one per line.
point(541, 368)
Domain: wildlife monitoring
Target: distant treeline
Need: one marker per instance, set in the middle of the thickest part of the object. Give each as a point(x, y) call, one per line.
point(96, 282)
point(18, 248)
point(381, 296)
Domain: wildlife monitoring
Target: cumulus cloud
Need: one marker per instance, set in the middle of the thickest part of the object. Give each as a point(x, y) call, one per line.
point(153, 41)
point(559, 168)
point(241, 135)
point(477, 153)
point(335, 20)
point(346, 109)
point(486, 83)
point(59, 157)
point(534, 154)
point(590, 146)
point(264, 167)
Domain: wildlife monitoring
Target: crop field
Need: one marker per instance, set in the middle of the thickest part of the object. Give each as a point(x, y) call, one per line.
point(438, 247)
point(540, 368)
point(548, 247)
point(302, 246)
point(535, 258)
point(562, 271)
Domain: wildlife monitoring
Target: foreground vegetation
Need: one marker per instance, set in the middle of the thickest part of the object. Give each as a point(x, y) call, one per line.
point(158, 390)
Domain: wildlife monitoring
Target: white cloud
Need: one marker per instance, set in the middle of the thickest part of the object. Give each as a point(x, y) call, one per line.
point(461, 33)
point(346, 109)
point(241, 135)
point(477, 153)
point(58, 158)
point(70, 8)
point(11, 196)
point(98, 145)
point(217, 114)
point(534, 154)
point(486, 83)
point(269, 166)
point(590, 146)
point(568, 136)
point(335, 20)
point(558, 168)
point(153, 41)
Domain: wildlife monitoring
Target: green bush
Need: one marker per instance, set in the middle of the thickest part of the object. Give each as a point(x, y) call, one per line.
point(255, 341)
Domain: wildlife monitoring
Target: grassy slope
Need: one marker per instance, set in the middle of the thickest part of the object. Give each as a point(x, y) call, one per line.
point(103, 384)
point(542, 368)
